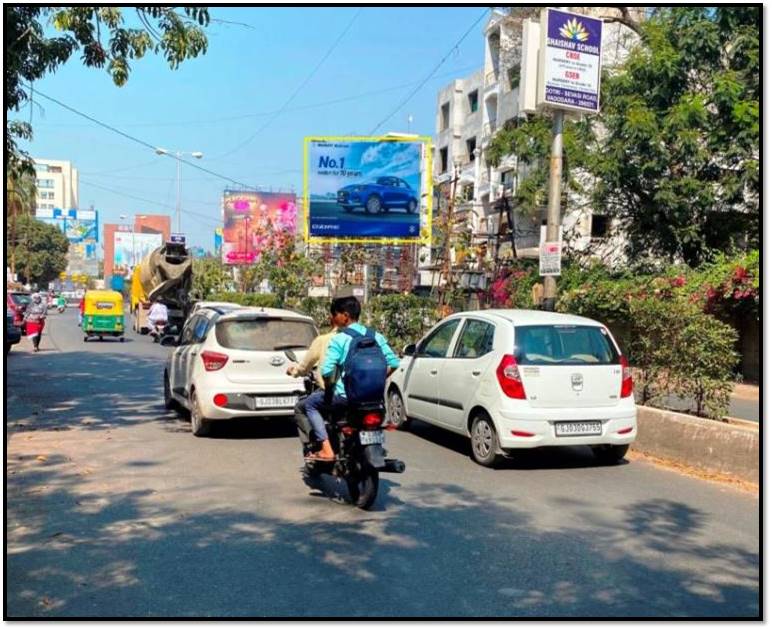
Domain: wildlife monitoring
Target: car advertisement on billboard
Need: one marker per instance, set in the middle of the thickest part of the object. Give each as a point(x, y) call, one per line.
point(365, 189)
point(255, 221)
point(130, 248)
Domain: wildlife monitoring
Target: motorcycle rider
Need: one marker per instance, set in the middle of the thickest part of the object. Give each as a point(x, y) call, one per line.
point(345, 313)
point(158, 314)
point(313, 358)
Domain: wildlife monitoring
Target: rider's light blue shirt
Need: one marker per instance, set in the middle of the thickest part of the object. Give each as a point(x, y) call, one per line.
point(337, 352)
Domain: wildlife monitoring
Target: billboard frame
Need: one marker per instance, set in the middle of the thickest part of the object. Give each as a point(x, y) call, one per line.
point(425, 234)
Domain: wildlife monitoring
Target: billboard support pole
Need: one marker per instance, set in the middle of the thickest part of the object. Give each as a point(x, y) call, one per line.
point(553, 202)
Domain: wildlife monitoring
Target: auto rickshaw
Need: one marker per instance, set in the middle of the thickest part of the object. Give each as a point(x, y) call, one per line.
point(102, 315)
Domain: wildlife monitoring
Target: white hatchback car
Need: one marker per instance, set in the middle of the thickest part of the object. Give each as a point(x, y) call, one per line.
point(512, 379)
point(229, 363)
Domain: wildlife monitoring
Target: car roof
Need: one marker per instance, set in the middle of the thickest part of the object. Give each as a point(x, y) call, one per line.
point(247, 312)
point(526, 317)
point(205, 304)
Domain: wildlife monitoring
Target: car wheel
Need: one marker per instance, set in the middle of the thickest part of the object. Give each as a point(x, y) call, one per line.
point(374, 204)
point(396, 410)
point(485, 442)
point(169, 403)
point(412, 206)
point(200, 426)
point(610, 454)
point(85, 338)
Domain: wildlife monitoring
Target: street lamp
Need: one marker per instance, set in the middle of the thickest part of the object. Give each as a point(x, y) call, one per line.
point(178, 154)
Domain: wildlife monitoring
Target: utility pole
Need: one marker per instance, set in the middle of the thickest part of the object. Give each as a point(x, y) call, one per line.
point(553, 202)
point(447, 263)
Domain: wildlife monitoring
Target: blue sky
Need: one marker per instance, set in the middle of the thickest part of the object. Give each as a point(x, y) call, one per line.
point(215, 103)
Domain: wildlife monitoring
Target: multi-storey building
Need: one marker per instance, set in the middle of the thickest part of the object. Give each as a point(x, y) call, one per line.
point(57, 184)
point(470, 111)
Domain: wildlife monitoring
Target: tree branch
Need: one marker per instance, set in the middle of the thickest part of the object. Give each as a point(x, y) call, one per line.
point(626, 19)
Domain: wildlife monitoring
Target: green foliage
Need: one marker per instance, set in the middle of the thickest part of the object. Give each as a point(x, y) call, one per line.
point(402, 319)
point(209, 276)
point(40, 250)
point(678, 160)
point(104, 41)
point(267, 300)
point(288, 272)
point(316, 307)
point(679, 350)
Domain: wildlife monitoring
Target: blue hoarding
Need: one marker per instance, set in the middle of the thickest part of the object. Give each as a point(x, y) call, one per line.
point(364, 189)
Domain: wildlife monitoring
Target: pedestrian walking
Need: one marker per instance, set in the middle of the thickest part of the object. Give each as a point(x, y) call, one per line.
point(35, 320)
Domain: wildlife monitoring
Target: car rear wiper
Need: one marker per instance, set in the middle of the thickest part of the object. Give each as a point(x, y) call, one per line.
point(289, 346)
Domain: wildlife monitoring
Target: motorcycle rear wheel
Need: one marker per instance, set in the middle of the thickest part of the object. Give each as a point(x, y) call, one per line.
point(363, 487)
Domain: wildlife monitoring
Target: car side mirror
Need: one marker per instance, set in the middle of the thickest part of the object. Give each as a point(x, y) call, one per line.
point(409, 350)
point(170, 340)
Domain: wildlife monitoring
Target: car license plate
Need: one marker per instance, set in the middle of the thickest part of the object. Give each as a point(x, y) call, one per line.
point(270, 402)
point(370, 437)
point(571, 429)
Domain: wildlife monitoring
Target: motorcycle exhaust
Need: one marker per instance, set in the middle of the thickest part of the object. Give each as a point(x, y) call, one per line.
point(394, 466)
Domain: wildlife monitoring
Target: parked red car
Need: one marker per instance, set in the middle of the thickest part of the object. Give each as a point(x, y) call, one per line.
point(17, 302)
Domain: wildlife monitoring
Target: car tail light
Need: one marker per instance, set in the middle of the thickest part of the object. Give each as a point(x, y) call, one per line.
point(509, 377)
point(213, 360)
point(220, 400)
point(627, 378)
point(522, 434)
point(623, 431)
point(372, 420)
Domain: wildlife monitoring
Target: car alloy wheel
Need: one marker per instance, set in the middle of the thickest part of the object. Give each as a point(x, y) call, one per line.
point(397, 415)
point(485, 442)
point(373, 205)
point(198, 425)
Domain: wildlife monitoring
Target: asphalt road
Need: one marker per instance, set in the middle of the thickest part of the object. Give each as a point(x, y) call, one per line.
point(115, 509)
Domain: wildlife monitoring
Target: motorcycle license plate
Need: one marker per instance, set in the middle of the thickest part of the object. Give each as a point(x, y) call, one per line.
point(370, 437)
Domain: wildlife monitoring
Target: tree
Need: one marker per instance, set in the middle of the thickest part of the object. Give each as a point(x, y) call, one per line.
point(674, 153)
point(105, 42)
point(40, 250)
point(678, 160)
point(209, 276)
point(288, 272)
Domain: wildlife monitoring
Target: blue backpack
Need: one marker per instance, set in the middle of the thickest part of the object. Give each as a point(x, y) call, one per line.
point(364, 370)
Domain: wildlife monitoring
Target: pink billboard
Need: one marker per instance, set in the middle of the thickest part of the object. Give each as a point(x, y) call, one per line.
point(254, 222)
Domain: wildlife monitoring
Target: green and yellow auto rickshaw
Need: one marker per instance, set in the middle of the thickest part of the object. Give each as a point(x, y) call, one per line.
point(102, 315)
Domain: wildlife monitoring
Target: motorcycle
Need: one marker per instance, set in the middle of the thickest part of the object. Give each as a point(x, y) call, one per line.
point(158, 331)
point(357, 437)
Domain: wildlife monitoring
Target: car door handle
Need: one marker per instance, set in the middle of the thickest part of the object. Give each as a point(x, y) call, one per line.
point(476, 372)
point(193, 354)
point(433, 372)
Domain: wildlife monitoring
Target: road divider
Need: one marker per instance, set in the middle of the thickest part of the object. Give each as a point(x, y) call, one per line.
point(709, 445)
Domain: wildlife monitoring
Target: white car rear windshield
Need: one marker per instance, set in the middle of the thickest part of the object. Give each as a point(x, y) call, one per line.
point(564, 345)
point(267, 334)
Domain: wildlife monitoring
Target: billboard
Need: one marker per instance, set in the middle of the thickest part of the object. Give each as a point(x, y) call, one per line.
point(366, 189)
point(131, 247)
point(81, 227)
point(571, 51)
point(218, 241)
point(255, 221)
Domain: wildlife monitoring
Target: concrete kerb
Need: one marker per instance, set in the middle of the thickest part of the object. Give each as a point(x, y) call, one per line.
point(715, 447)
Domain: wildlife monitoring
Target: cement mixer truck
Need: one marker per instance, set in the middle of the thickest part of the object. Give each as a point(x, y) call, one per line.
point(164, 275)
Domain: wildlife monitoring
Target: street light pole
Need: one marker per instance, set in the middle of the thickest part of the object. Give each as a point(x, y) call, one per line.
point(178, 156)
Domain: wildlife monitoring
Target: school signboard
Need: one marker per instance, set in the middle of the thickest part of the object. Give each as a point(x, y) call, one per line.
point(569, 73)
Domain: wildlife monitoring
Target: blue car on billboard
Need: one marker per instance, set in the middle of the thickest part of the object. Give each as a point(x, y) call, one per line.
point(379, 196)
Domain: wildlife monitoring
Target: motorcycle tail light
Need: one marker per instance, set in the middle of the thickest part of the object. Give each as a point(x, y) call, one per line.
point(372, 420)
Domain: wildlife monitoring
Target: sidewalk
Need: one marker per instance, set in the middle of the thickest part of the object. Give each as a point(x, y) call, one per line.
point(745, 391)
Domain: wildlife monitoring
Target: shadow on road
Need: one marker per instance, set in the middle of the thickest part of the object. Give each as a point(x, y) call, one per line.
point(439, 551)
point(544, 458)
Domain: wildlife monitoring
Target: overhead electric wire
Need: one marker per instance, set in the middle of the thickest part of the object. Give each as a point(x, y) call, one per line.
point(214, 221)
point(428, 77)
point(296, 92)
point(142, 142)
